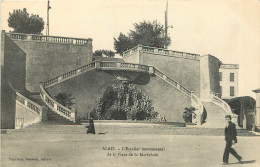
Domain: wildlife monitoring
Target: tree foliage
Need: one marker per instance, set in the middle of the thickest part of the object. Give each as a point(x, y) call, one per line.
point(22, 22)
point(123, 102)
point(187, 114)
point(65, 100)
point(144, 33)
point(107, 53)
point(122, 43)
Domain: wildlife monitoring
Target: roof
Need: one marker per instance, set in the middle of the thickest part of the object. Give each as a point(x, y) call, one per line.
point(256, 90)
point(230, 66)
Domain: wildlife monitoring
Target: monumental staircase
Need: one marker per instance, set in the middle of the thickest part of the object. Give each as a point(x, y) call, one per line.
point(215, 107)
point(44, 107)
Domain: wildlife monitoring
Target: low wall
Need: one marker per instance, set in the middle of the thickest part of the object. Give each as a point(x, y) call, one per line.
point(27, 117)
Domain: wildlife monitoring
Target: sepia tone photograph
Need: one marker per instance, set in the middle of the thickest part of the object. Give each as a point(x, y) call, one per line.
point(140, 83)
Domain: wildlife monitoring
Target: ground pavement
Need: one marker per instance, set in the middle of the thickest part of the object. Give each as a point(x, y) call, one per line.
point(69, 146)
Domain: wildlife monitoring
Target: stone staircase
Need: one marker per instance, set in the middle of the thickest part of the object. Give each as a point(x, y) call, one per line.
point(53, 117)
point(215, 116)
point(126, 129)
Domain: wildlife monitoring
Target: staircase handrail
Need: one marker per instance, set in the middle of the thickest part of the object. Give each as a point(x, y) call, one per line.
point(173, 82)
point(162, 51)
point(122, 65)
point(31, 105)
point(104, 65)
point(57, 107)
point(195, 101)
point(68, 75)
point(110, 65)
point(45, 38)
point(221, 103)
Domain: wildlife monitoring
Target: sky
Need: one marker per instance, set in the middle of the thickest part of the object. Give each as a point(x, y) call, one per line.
point(227, 29)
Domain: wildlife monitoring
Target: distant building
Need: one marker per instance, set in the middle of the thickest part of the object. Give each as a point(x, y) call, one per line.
point(228, 78)
point(257, 117)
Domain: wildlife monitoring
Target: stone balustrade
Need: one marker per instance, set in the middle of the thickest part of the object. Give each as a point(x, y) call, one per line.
point(231, 66)
point(95, 65)
point(172, 82)
point(69, 114)
point(195, 101)
point(131, 51)
point(109, 65)
point(68, 75)
point(32, 106)
point(56, 107)
point(161, 51)
point(221, 103)
point(54, 39)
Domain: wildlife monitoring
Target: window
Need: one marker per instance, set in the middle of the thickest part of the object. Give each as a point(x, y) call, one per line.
point(220, 91)
point(232, 91)
point(232, 77)
point(220, 76)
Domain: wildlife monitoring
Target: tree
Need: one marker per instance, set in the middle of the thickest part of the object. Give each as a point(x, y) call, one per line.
point(107, 53)
point(144, 33)
point(123, 102)
point(122, 43)
point(22, 22)
point(187, 114)
point(65, 100)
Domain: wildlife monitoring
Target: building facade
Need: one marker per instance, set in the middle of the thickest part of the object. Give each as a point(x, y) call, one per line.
point(228, 78)
point(257, 116)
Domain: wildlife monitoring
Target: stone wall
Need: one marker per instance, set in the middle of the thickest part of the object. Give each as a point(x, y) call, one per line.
point(8, 105)
point(28, 62)
point(180, 66)
point(183, 70)
point(209, 76)
point(89, 87)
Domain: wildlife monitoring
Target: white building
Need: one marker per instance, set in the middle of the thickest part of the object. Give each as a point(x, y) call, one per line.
point(228, 74)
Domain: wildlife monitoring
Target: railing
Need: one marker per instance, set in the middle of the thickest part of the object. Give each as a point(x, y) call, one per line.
point(32, 106)
point(55, 39)
point(56, 107)
point(109, 65)
point(131, 51)
point(195, 101)
point(161, 51)
point(69, 114)
point(221, 103)
point(68, 75)
point(229, 66)
point(172, 82)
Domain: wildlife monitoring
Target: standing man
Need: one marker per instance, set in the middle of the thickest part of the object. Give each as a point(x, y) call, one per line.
point(231, 138)
point(91, 127)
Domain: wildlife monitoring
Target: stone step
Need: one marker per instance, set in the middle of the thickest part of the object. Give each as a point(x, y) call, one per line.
point(126, 128)
point(54, 117)
point(215, 116)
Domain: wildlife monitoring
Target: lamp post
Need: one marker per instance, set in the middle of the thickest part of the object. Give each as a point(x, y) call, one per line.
point(166, 27)
point(47, 29)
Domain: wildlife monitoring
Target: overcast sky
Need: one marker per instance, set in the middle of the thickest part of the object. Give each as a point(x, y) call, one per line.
point(227, 29)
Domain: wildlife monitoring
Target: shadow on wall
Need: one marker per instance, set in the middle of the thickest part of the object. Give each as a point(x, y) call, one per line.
point(14, 64)
point(8, 105)
point(142, 79)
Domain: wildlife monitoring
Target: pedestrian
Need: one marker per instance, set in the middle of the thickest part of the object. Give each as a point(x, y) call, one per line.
point(91, 127)
point(231, 138)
